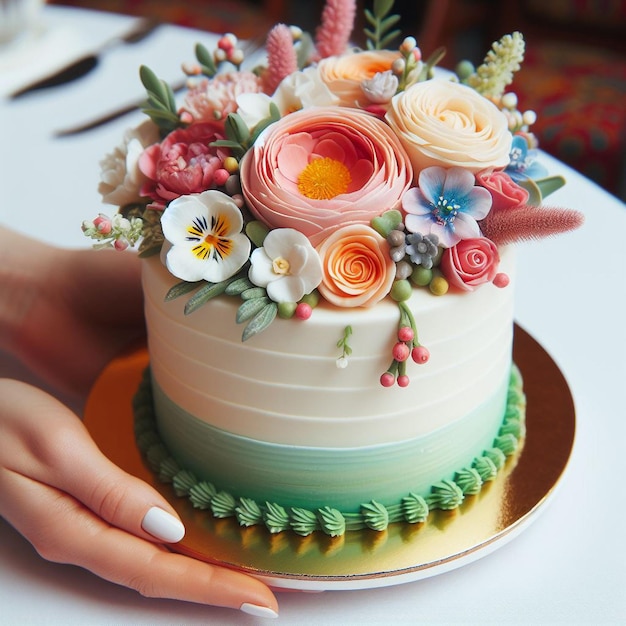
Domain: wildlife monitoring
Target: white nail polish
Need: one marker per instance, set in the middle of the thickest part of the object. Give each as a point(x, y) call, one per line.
point(258, 611)
point(162, 525)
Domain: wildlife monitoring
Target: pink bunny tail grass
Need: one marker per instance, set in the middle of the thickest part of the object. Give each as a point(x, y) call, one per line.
point(333, 34)
point(527, 222)
point(281, 57)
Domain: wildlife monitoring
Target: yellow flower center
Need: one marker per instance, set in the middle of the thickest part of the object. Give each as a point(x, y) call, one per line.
point(213, 240)
point(280, 265)
point(323, 179)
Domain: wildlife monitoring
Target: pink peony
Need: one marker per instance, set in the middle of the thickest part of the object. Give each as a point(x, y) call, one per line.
point(357, 268)
point(319, 169)
point(470, 263)
point(182, 164)
point(505, 192)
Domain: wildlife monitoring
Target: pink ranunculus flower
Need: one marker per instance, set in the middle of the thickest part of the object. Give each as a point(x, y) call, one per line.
point(182, 164)
point(345, 74)
point(470, 263)
point(357, 268)
point(443, 123)
point(319, 169)
point(505, 192)
point(213, 99)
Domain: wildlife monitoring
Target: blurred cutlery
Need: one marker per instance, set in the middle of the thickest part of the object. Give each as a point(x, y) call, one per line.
point(83, 65)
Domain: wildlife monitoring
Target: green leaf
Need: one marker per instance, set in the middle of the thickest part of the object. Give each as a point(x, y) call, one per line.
point(238, 286)
point(205, 58)
point(382, 7)
point(260, 321)
point(206, 293)
point(257, 231)
point(236, 129)
point(253, 292)
point(180, 289)
point(249, 308)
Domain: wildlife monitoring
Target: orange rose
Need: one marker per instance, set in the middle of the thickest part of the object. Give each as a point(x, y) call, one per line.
point(357, 268)
point(344, 74)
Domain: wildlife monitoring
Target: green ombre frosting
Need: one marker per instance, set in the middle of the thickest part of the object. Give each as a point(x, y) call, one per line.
point(413, 508)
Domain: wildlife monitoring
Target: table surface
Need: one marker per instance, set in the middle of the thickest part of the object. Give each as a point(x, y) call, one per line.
point(568, 566)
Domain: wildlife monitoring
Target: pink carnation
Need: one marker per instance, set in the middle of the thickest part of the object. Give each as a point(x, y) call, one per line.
point(212, 100)
point(183, 163)
point(319, 169)
point(470, 263)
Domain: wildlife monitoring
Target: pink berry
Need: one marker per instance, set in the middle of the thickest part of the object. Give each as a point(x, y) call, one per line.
point(120, 244)
point(403, 381)
point(220, 177)
point(501, 280)
point(401, 351)
point(387, 379)
point(303, 311)
point(405, 333)
point(420, 354)
point(103, 224)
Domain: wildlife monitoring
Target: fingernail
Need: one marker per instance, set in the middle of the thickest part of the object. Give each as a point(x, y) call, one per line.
point(162, 525)
point(258, 611)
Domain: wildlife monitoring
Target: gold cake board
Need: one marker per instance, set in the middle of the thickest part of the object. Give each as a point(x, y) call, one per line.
point(364, 559)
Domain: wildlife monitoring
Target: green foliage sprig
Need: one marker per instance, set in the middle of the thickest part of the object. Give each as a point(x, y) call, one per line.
point(379, 35)
point(161, 103)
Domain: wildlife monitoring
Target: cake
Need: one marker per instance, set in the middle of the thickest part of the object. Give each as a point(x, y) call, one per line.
point(329, 280)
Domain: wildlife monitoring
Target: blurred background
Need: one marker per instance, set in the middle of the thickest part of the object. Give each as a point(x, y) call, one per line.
point(574, 74)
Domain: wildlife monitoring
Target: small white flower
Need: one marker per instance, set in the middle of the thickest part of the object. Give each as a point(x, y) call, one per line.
point(287, 265)
point(381, 87)
point(120, 177)
point(299, 90)
point(205, 232)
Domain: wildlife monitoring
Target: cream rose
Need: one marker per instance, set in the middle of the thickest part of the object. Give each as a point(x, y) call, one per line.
point(357, 268)
point(120, 176)
point(443, 123)
point(344, 74)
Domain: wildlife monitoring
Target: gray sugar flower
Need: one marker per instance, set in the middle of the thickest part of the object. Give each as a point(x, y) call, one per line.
point(422, 249)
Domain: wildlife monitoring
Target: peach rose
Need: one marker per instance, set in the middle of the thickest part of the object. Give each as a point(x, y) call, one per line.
point(470, 263)
point(344, 74)
point(443, 123)
point(322, 168)
point(357, 268)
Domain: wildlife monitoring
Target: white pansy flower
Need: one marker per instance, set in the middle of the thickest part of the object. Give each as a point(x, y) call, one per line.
point(120, 177)
point(299, 90)
point(287, 265)
point(205, 232)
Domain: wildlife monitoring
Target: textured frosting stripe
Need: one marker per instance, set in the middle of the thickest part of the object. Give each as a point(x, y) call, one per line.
point(301, 475)
point(413, 507)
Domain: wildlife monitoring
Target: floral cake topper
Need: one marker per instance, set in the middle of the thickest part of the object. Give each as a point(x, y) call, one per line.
point(331, 173)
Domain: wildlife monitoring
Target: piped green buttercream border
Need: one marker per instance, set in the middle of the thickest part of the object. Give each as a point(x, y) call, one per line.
point(413, 508)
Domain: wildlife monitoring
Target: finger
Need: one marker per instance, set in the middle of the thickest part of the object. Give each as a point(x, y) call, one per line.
point(60, 453)
point(62, 530)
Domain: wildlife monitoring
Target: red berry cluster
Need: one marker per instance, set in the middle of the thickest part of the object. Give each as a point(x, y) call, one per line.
point(406, 346)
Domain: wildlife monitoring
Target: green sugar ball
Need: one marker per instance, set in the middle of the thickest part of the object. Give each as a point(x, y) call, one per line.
point(401, 290)
point(286, 310)
point(421, 276)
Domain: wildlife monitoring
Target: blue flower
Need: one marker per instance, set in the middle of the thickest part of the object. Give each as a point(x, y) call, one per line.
point(447, 204)
point(524, 163)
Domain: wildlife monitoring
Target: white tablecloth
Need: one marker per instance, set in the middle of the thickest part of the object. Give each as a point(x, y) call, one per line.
point(567, 567)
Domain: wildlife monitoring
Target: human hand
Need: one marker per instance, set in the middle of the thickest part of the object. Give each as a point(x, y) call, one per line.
point(75, 506)
point(66, 313)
